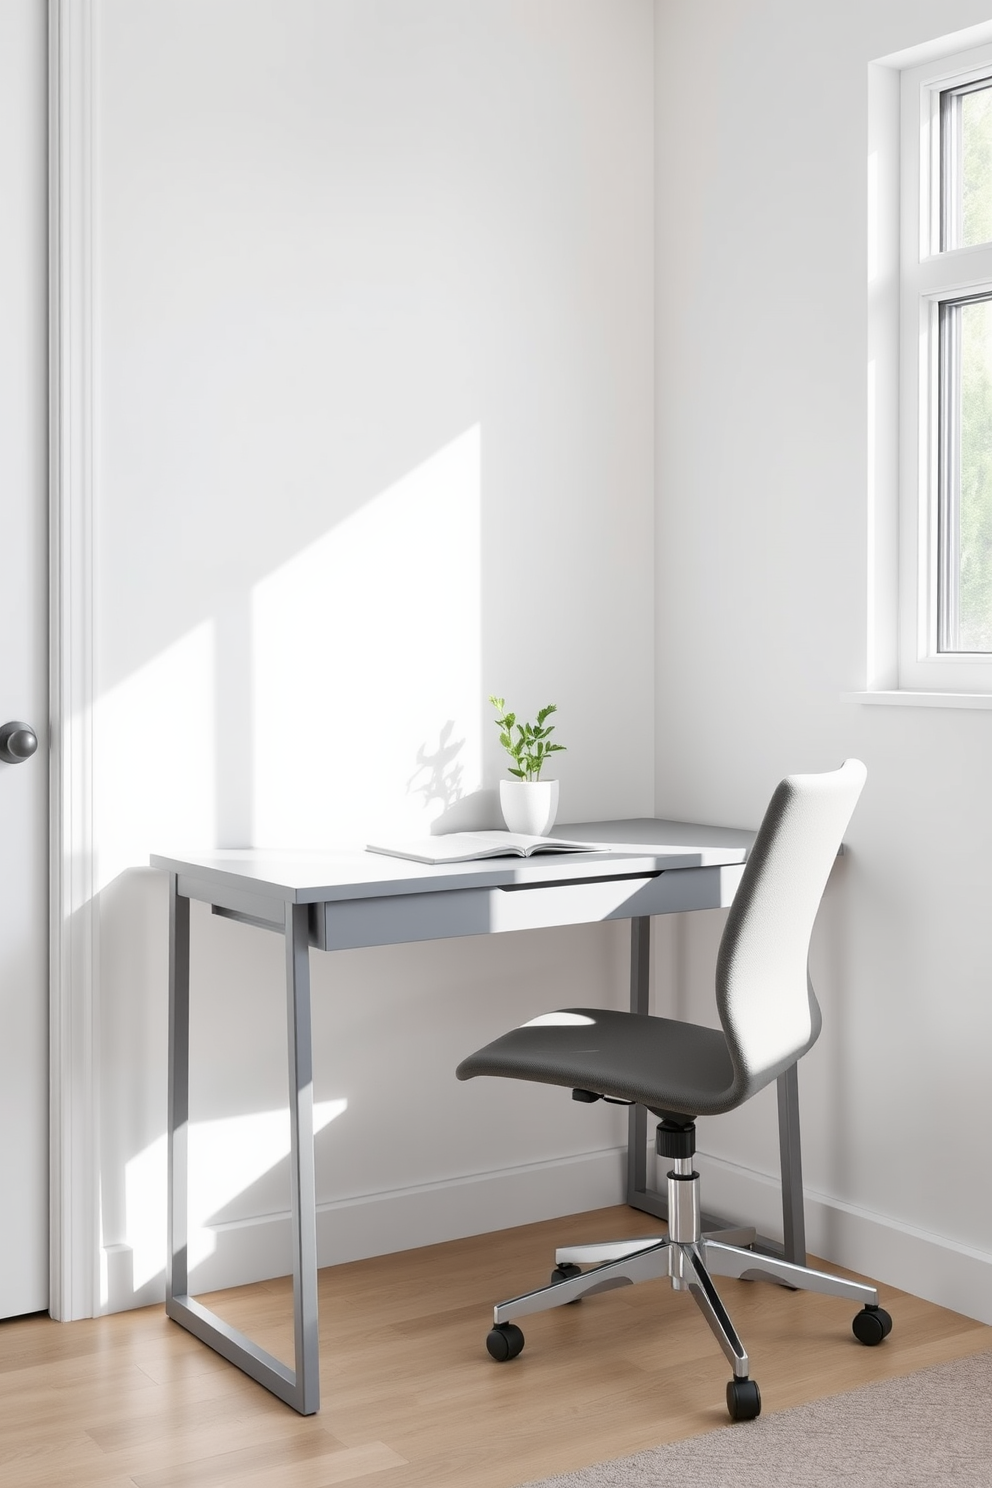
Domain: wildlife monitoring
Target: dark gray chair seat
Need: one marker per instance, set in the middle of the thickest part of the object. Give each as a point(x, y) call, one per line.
point(769, 1018)
point(668, 1066)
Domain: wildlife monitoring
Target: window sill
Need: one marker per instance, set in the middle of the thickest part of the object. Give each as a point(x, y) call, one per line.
point(906, 699)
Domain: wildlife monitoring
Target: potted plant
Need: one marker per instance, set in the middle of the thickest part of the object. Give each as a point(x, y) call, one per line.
point(529, 804)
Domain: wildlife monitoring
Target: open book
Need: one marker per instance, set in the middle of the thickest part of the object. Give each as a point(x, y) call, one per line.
point(463, 847)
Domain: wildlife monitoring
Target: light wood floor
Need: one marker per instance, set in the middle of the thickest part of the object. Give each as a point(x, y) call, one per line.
point(409, 1394)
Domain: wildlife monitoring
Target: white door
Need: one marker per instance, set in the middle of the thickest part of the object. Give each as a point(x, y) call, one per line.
point(23, 659)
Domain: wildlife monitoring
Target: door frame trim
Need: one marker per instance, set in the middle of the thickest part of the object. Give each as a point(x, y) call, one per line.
point(73, 945)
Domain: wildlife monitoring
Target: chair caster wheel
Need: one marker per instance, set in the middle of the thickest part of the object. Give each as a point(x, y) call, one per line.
point(563, 1273)
point(743, 1400)
point(505, 1341)
point(871, 1325)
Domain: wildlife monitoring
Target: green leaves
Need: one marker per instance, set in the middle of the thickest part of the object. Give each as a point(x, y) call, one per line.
point(531, 748)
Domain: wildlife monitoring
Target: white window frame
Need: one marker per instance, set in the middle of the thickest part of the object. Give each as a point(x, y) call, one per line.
point(927, 278)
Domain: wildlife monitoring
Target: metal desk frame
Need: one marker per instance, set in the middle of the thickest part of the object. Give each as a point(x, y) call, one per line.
point(478, 897)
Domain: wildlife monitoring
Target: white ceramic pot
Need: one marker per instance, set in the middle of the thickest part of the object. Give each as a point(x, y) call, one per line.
point(529, 806)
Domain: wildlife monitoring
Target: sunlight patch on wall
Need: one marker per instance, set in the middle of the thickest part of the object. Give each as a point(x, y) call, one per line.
point(367, 666)
point(153, 748)
point(225, 1158)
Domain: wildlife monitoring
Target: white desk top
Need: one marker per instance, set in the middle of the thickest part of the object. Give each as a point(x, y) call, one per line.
point(319, 876)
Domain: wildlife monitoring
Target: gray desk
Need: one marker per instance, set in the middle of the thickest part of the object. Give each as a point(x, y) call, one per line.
point(336, 901)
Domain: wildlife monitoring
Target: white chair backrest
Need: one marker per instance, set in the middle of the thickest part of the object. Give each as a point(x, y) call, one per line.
point(766, 1006)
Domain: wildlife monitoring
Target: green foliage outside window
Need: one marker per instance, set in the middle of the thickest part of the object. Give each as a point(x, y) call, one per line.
point(975, 535)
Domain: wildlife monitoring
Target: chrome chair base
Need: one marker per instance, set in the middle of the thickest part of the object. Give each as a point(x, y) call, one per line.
point(690, 1260)
point(689, 1265)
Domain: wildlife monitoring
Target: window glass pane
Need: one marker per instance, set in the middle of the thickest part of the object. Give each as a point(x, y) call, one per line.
point(976, 167)
point(970, 525)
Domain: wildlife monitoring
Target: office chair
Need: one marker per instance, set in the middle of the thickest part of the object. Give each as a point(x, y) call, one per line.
point(769, 1017)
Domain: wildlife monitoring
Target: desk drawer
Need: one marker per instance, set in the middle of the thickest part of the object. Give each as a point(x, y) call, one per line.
point(444, 914)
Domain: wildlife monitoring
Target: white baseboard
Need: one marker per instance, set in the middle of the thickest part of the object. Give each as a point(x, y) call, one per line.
point(927, 1265)
point(378, 1224)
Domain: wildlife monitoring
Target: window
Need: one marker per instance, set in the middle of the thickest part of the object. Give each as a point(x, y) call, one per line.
point(945, 579)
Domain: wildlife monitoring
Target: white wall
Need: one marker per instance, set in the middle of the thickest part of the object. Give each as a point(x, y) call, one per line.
point(762, 623)
point(373, 311)
point(375, 339)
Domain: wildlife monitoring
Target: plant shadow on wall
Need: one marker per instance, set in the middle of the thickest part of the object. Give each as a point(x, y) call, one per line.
point(440, 779)
point(439, 776)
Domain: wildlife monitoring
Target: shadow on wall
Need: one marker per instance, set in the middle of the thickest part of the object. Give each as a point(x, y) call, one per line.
point(382, 1102)
point(439, 775)
point(239, 1157)
point(293, 715)
point(298, 713)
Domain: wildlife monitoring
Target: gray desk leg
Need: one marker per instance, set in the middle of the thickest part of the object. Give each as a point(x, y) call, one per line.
point(790, 1157)
point(639, 1196)
point(299, 1387)
point(650, 1200)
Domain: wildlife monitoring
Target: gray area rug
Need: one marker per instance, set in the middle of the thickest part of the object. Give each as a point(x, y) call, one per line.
point(923, 1431)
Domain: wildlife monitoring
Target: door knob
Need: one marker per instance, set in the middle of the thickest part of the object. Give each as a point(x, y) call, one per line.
point(18, 741)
